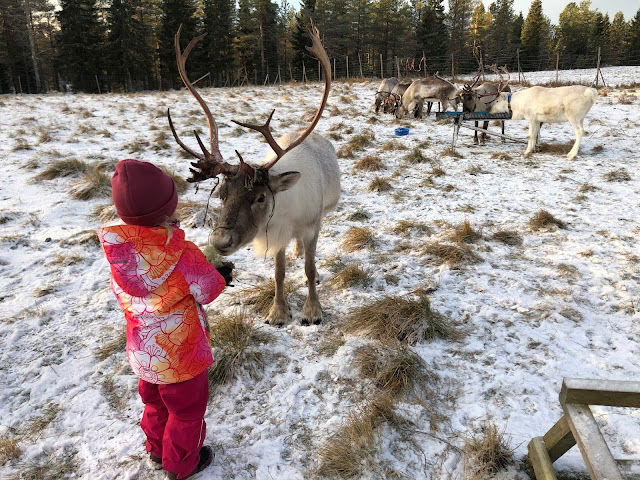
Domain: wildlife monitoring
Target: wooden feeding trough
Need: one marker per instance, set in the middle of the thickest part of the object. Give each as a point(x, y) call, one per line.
point(459, 117)
point(578, 426)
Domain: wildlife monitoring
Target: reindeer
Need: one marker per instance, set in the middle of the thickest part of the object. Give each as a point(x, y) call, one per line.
point(431, 89)
point(480, 98)
point(550, 105)
point(395, 98)
point(385, 88)
point(284, 197)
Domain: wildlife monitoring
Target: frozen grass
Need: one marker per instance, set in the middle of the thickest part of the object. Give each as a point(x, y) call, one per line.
point(465, 233)
point(260, 297)
point(452, 255)
point(357, 238)
point(543, 220)
point(409, 319)
point(487, 451)
point(62, 168)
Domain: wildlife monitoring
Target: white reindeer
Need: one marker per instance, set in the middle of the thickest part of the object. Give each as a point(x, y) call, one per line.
point(283, 198)
point(540, 105)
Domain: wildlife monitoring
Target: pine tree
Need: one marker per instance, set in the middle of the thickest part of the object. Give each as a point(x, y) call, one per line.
point(218, 44)
point(501, 47)
point(433, 37)
point(80, 45)
point(268, 32)
point(535, 39)
point(478, 32)
point(173, 14)
point(246, 46)
point(616, 40)
point(300, 40)
point(633, 42)
point(459, 19)
point(576, 30)
point(389, 20)
point(128, 58)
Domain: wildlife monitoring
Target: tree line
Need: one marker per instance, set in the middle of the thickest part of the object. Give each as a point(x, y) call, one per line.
point(127, 45)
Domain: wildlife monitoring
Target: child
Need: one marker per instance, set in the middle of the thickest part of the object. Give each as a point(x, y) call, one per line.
point(160, 281)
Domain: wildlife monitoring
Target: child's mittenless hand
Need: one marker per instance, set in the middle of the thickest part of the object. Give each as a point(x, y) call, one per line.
point(227, 274)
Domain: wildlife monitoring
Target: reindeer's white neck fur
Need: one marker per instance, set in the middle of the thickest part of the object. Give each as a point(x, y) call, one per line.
point(298, 212)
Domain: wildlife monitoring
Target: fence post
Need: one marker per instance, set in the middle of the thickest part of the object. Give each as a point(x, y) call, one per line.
point(98, 84)
point(398, 66)
point(360, 62)
point(347, 59)
point(598, 67)
point(290, 73)
point(557, 63)
point(334, 70)
point(453, 71)
point(381, 68)
point(424, 64)
point(319, 69)
point(518, 55)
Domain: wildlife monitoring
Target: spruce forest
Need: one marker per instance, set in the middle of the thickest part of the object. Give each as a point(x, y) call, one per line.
point(127, 45)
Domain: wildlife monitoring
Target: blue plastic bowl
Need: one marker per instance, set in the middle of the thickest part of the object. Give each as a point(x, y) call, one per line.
point(402, 131)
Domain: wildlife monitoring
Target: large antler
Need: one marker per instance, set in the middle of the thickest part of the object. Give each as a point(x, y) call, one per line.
point(210, 163)
point(502, 84)
point(318, 50)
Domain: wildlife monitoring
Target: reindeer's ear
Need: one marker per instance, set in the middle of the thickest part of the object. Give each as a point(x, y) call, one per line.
point(284, 181)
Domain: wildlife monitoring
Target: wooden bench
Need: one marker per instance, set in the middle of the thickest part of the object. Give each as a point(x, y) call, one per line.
point(578, 426)
point(459, 117)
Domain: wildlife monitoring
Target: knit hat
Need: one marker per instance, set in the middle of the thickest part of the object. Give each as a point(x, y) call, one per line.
point(142, 193)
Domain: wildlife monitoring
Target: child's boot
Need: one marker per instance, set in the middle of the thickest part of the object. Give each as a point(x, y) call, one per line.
point(206, 457)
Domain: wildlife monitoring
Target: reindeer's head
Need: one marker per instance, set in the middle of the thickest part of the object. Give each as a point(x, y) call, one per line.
point(247, 192)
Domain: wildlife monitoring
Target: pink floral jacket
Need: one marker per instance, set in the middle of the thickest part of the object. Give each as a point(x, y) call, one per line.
point(160, 284)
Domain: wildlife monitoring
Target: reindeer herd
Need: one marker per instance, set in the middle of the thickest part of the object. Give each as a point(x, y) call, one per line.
point(286, 196)
point(537, 105)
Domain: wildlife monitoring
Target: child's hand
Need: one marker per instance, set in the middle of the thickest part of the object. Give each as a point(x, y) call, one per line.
point(226, 273)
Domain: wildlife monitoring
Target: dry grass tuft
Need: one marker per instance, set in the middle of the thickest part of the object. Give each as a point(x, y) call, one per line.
point(106, 213)
point(450, 152)
point(392, 145)
point(117, 345)
point(405, 227)
point(409, 319)
point(235, 339)
point(351, 275)
point(486, 453)
point(260, 297)
point(501, 156)
point(465, 233)
point(62, 168)
point(453, 255)
point(555, 148)
point(357, 143)
point(54, 467)
point(585, 187)
point(9, 449)
point(359, 215)
point(369, 163)
point(544, 220)
point(395, 369)
point(415, 156)
point(620, 175)
point(508, 237)
point(94, 184)
point(36, 426)
point(357, 238)
point(379, 185)
point(330, 344)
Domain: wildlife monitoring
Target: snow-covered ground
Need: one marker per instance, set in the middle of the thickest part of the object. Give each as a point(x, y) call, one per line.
point(565, 303)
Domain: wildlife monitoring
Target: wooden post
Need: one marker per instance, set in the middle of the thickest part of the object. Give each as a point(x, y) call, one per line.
point(290, 73)
point(20, 84)
point(98, 84)
point(540, 461)
point(334, 70)
point(319, 70)
point(557, 63)
point(518, 55)
point(347, 59)
point(304, 73)
point(598, 67)
point(381, 68)
point(360, 62)
point(424, 64)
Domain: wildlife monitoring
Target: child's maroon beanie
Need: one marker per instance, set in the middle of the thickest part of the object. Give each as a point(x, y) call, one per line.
point(142, 193)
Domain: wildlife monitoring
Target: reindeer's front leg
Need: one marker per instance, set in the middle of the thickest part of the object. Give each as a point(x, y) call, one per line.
point(534, 128)
point(279, 314)
point(312, 311)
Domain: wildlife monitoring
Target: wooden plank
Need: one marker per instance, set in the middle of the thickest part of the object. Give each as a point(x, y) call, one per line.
point(595, 452)
point(540, 460)
point(559, 439)
point(513, 139)
point(614, 393)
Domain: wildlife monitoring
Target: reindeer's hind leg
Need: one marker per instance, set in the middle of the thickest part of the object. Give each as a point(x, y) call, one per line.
point(577, 125)
point(312, 310)
point(279, 314)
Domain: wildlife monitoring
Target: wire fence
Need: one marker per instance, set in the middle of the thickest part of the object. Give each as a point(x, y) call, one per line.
point(355, 67)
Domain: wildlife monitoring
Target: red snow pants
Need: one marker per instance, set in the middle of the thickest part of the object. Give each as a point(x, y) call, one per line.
point(173, 421)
